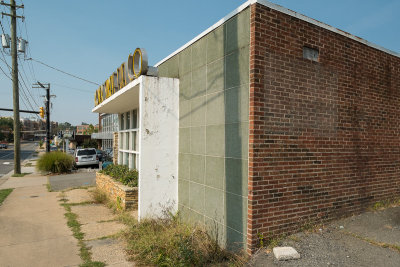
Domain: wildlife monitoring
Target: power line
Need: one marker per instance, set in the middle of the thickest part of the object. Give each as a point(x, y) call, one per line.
point(73, 88)
point(72, 75)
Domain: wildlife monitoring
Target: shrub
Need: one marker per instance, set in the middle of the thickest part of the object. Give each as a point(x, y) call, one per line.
point(55, 162)
point(41, 144)
point(122, 174)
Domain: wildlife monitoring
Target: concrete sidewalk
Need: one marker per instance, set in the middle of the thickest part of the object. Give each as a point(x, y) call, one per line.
point(33, 230)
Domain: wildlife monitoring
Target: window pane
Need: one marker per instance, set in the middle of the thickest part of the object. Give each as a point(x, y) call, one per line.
point(126, 159)
point(120, 158)
point(134, 119)
point(127, 147)
point(128, 120)
point(132, 161)
point(122, 121)
point(133, 142)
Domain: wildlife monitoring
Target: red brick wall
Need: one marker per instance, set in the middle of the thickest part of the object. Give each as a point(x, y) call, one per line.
point(324, 136)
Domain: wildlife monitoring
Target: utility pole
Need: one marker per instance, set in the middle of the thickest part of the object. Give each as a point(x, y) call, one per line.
point(14, 59)
point(46, 86)
point(47, 117)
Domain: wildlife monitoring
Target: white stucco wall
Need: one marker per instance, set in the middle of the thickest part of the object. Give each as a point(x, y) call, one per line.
point(158, 145)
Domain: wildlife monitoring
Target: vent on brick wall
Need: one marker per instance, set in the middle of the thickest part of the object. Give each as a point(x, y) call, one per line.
point(310, 53)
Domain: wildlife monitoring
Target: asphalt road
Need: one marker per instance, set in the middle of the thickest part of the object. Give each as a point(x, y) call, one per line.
point(84, 177)
point(7, 156)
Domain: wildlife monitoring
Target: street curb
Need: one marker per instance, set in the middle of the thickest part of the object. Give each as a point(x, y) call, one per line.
point(7, 176)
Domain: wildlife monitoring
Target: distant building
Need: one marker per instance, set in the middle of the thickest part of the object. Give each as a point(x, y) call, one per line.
point(108, 125)
point(82, 129)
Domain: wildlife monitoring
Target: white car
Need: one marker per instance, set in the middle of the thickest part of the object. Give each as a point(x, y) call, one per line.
point(86, 157)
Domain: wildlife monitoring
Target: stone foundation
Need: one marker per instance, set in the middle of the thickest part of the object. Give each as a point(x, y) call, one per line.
point(116, 191)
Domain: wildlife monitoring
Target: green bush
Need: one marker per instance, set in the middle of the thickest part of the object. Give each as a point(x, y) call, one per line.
point(55, 162)
point(122, 174)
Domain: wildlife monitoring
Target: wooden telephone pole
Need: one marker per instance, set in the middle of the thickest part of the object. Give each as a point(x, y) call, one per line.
point(14, 59)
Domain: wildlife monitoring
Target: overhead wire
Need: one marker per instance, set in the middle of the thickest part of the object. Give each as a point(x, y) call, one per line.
point(66, 73)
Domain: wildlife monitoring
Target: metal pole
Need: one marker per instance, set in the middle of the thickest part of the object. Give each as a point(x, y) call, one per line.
point(17, 148)
point(48, 118)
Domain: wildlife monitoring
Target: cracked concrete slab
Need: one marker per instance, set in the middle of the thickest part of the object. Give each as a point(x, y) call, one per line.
point(78, 196)
point(92, 213)
point(111, 251)
point(103, 229)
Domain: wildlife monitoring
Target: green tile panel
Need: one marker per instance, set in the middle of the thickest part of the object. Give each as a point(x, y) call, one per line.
point(237, 68)
point(238, 31)
point(184, 114)
point(215, 172)
point(214, 203)
point(237, 104)
point(199, 84)
point(216, 43)
point(183, 192)
point(198, 140)
point(184, 166)
point(215, 140)
point(215, 108)
point(196, 197)
point(185, 61)
point(199, 53)
point(197, 168)
point(215, 76)
point(198, 111)
point(184, 140)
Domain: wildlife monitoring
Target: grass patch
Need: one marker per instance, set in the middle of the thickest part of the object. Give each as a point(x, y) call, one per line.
point(29, 164)
point(4, 194)
point(384, 204)
point(99, 196)
point(75, 227)
point(20, 174)
point(48, 186)
point(170, 242)
point(55, 162)
point(373, 242)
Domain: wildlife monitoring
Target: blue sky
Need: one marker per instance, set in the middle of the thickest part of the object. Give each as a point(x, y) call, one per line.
point(92, 38)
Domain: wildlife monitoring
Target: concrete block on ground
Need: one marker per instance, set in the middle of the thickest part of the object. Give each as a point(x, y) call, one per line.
point(285, 253)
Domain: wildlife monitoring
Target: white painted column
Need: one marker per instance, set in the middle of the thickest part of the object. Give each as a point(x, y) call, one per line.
point(158, 145)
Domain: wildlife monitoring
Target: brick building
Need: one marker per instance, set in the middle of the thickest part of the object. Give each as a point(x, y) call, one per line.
point(283, 121)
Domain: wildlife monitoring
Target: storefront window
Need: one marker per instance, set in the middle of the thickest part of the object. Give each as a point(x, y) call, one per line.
point(127, 145)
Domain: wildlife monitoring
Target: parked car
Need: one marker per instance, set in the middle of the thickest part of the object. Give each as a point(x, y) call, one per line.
point(53, 148)
point(70, 151)
point(5, 146)
point(86, 157)
point(99, 154)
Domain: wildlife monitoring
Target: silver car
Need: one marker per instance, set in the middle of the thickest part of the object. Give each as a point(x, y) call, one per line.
point(86, 157)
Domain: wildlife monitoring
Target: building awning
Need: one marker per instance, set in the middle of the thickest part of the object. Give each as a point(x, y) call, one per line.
point(122, 101)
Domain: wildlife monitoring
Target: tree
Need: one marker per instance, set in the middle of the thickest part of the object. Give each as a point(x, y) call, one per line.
point(6, 129)
point(90, 130)
point(89, 143)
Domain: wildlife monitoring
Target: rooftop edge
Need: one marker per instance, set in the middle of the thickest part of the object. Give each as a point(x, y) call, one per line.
point(285, 11)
